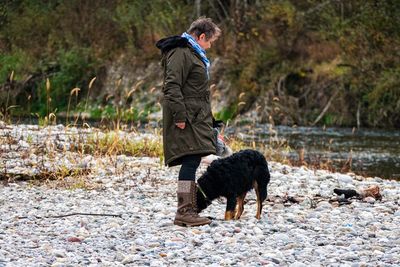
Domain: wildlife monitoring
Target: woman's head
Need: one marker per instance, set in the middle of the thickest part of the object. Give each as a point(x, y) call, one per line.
point(205, 31)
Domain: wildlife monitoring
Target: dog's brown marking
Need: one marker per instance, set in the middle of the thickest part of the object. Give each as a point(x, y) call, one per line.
point(240, 206)
point(229, 215)
point(372, 191)
point(259, 204)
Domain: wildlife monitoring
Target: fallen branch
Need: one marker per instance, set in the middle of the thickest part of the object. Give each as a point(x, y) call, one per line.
point(73, 214)
point(325, 109)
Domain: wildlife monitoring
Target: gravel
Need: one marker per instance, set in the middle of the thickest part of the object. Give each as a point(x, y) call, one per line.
point(133, 206)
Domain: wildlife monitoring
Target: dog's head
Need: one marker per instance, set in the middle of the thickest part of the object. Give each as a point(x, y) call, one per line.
point(202, 201)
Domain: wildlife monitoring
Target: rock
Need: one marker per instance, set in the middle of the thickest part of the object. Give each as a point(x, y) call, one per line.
point(120, 256)
point(350, 256)
point(23, 144)
point(323, 205)
point(343, 178)
point(298, 264)
point(154, 244)
point(139, 241)
point(128, 259)
point(237, 230)
point(82, 233)
point(58, 263)
point(314, 221)
point(156, 263)
point(172, 244)
point(74, 239)
point(59, 253)
point(354, 247)
point(281, 238)
point(312, 233)
point(370, 200)
point(214, 224)
point(257, 231)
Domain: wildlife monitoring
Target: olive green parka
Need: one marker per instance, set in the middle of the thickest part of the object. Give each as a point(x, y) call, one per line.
point(186, 98)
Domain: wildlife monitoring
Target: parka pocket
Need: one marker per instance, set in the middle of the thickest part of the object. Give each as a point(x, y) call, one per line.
point(194, 110)
point(195, 115)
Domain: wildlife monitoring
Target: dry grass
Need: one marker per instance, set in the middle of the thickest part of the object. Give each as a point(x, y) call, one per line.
point(106, 146)
point(112, 142)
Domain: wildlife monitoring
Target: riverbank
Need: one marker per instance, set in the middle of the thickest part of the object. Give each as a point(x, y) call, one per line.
point(129, 205)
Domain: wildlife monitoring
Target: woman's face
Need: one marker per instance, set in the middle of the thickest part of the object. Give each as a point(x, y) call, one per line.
point(203, 42)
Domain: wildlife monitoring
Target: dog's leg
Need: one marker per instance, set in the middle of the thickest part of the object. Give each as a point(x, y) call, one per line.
point(230, 208)
point(240, 206)
point(259, 201)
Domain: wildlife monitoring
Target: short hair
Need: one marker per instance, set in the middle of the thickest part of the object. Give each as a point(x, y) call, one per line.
point(206, 26)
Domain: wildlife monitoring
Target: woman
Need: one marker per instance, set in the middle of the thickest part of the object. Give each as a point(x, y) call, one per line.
point(187, 117)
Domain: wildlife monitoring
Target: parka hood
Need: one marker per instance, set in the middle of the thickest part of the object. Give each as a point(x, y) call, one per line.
point(171, 42)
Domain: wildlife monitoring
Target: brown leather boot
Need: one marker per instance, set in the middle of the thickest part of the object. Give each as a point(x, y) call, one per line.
point(186, 214)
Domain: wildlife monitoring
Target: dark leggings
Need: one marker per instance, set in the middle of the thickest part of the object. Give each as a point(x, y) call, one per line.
point(190, 164)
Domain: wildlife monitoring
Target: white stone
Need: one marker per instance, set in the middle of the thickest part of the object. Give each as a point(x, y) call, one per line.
point(128, 259)
point(343, 178)
point(298, 264)
point(370, 200)
point(59, 253)
point(257, 231)
point(139, 241)
point(143, 191)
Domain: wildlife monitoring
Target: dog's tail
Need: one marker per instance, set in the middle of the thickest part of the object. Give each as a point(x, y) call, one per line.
point(262, 176)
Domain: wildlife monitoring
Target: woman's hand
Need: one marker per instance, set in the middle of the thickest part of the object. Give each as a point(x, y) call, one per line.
point(180, 125)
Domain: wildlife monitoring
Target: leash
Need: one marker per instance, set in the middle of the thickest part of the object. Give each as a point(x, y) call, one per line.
point(204, 194)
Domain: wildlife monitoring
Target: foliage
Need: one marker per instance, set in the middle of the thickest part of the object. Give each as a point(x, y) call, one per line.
point(17, 62)
point(299, 51)
point(384, 99)
point(73, 70)
point(226, 114)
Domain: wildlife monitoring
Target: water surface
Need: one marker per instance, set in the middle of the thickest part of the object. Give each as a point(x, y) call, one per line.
point(373, 152)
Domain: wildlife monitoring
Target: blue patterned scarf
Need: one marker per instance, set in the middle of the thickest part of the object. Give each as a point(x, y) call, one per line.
point(199, 50)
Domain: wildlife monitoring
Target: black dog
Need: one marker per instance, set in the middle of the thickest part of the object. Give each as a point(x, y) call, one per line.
point(233, 177)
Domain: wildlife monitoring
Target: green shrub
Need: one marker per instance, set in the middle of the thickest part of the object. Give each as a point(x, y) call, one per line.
point(226, 113)
point(384, 99)
point(74, 69)
point(18, 62)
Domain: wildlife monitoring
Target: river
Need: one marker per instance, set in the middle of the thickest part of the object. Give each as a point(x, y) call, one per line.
point(373, 152)
point(369, 152)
